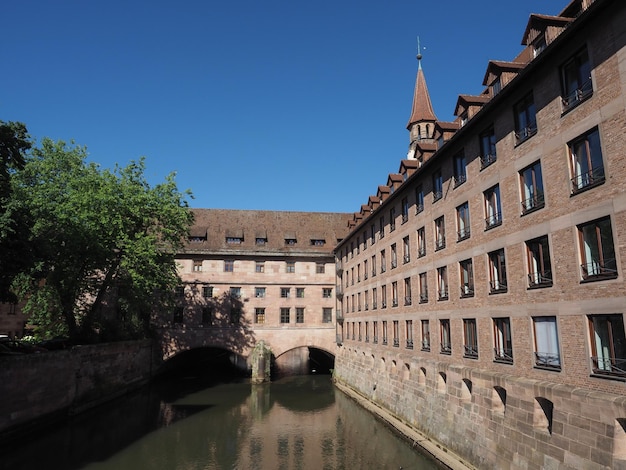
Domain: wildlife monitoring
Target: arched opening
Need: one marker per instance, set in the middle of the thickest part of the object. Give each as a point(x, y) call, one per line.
point(303, 361)
point(441, 382)
point(498, 399)
point(466, 390)
point(212, 363)
point(542, 416)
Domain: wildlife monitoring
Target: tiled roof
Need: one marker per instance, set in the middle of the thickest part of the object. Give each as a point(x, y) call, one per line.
point(422, 109)
point(274, 226)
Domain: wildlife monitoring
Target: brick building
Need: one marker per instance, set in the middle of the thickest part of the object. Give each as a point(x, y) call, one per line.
point(483, 285)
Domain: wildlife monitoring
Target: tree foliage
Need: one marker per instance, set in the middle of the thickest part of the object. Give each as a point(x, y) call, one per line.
point(102, 243)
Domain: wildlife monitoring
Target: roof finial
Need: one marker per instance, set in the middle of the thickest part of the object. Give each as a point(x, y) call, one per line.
point(419, 53)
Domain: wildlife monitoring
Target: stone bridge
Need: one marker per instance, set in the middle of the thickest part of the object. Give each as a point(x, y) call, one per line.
point(289, 345)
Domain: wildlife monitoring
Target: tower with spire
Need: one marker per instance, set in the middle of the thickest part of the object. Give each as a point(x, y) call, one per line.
point(421, 124)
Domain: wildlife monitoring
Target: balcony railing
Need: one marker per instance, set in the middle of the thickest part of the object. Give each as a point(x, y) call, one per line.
point(525, 133)
point(486, 160)
point(384, 340)
point(374, 305)
point(396, 343)
point(463, 234)
point(367, 306)
point(421, 251)
point(459, 180)
point(467, 290)
point(440, 243)
point(394, 303)
point(589, 179)
point(375, 339)
point(425, 345)
point(497, 287)
point(503, 355)
point(423, 298)
point(445, 348)
point(437, 195)
point(407, 300)
point(419, 208)
point(394, 263)
point(471, 351)
point(384, 304)
point(405, 218)
point(533, 203)
point(548, 360)
point(406, 259)
point(612, 366)
point(409, 344)
point(537, 279)
point(442, 294)
point(493, 220)
point(605, 269)
point(577, 96)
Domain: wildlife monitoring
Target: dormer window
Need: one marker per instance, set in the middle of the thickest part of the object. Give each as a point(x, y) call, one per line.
point(496, 86)
point(464, 118)
point(290, 241)
point(260, 241)
point(318, 242)
point(539, 45)
point(234, 240)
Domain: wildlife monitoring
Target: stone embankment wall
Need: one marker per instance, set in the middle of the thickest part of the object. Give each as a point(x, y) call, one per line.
point(493, 421)
point(34, 387)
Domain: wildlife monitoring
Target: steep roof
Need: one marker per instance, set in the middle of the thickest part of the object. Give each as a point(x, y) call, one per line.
point(422, 109)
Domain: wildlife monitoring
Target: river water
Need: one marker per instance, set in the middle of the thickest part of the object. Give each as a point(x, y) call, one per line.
point(297, 423)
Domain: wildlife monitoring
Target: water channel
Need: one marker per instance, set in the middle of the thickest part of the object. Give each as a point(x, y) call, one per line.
point(300, 422)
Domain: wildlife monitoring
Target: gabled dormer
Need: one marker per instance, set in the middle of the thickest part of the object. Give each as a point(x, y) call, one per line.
point(499, 74)
point(394, 180)
point(407, 168)
point(373, 202)
point(468, 105)
point(365, 210)
point(423, 152)
point(444, 130)
point(542, 30)
point(383, 193)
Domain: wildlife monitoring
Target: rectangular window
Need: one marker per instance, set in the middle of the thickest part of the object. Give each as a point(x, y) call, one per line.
point(467, 278)
point(406, 250)
point(396, 334)
point(284, 315)
point(463, 221)
point(525, 119)
point(261, 240)
point(235, 292)
point(531, 183)
point(381, 227)
point(327, 315)
point(299, 315)
point(586, 166)
point(317, 242)
point(460, 169)
point(608, 345)
point(425, 335)
point(358, 244)
point(320, 268)
point(407, 291)
point(408, 326)
point(229, 265)
point(446, 344)
point(372, 234)
point(503, 345)
point(470, 338)
point(259, 315)
point(383, 299)
point(437, 185)
point(576, 82)
point(421, 242)
point(207, 292)
point(290, 241)
point(440, 233)
point(392, 219)
point(497, 272)
point(259, 267)
point(373, 265)
point(197, 265)
point(358, 272)
point(365, 270)
point(487, 148)
point(358, 296)
point(384, 331)
point(423, 285)
point(394, 293)
point(539, 266)
point(419, 199)
point(374, 298)
point(547, 353)
point(383, 261)
point(394, 257)
point(259, 292)
point(290, 267)
point(405, 210)
point(375, 331)
point(366, 296)
point(300, 292)
point(327, 292)
point(597, 251)
point(234, 240)
point(493, 210)
point(285, 292)
point(442, 283)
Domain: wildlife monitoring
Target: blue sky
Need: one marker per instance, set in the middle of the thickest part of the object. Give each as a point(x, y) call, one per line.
point(275, 104)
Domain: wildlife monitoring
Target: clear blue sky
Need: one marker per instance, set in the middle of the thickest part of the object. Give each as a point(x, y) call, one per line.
point(274, 104)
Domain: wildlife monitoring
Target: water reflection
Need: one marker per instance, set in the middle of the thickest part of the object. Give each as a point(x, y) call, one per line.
point(294, 423)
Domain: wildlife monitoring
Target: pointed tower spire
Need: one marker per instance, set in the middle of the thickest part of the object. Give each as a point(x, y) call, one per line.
point(422, 120)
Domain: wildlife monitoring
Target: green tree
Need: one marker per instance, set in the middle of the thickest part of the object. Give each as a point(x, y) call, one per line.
point(103, 243)
point(14, 145)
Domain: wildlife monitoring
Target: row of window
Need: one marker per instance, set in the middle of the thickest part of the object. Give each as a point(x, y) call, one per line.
point(597, 254)
point(606, 334)
point(259, 241)
point(259, 292)
point(588, 170)
point(209, 317)
point(259, 267)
